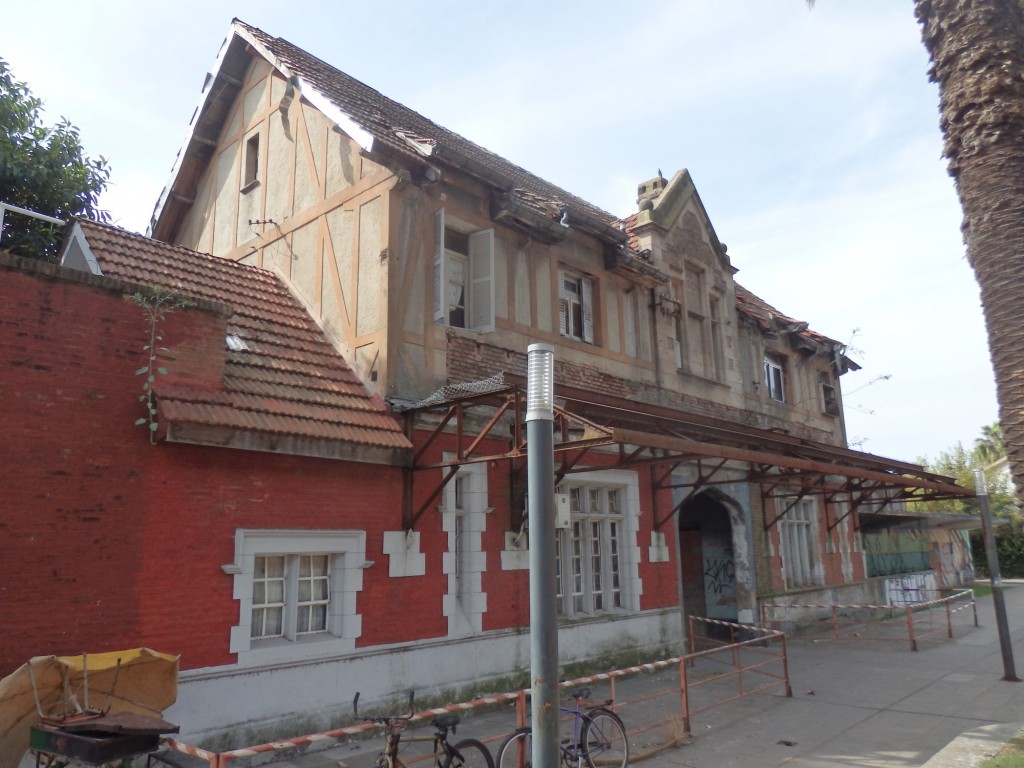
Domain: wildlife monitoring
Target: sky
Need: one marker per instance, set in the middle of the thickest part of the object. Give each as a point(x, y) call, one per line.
point(811, 135)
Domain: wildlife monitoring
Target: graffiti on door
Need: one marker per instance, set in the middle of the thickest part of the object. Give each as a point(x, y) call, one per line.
point(719, 577)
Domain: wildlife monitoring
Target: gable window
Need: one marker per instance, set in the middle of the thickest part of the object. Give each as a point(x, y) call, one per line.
point(576, 306)
point(463, 275)
point(252, 161)
point(773, 378)
point(699, 330)
point(591, 565)
point(297, 593)
point(797, 534)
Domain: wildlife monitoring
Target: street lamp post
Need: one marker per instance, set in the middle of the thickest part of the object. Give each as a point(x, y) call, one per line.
point(540, 468)
point(998, 603)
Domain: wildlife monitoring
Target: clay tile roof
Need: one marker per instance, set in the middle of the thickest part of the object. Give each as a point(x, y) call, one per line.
point(408, 132)
point(768, 318)
point(288, 380)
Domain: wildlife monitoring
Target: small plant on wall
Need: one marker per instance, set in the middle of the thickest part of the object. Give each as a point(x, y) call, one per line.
point(155, 306)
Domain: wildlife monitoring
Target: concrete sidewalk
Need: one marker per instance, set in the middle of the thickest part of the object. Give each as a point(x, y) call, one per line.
point(854, 704)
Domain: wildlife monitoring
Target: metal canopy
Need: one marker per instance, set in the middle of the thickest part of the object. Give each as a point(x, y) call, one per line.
point(717, 452)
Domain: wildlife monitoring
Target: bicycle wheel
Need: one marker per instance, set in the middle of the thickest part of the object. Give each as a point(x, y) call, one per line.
point(516, 751)
point(469, 753)
point(604, 740)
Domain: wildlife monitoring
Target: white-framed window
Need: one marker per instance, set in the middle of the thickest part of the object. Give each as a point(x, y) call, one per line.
point(290, 595)
point(801, 562)
point(596, 556)
point(297, 593)
point(774, 377)
point(576, 306)
point(464, 519)
point(463, 274)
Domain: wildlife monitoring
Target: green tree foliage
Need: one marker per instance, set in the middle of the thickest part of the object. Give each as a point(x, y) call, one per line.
point(959, 463)
point(43, 169)
point(989, 448)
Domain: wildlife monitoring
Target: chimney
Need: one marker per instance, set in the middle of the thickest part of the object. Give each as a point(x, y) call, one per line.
point(649, 190)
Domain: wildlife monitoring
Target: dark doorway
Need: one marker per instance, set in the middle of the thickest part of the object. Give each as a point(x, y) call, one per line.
point(706, 559)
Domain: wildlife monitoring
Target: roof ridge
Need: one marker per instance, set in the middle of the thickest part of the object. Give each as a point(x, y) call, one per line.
point(539, 184)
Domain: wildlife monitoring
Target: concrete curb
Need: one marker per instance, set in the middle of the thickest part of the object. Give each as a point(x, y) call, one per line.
point(971, 748)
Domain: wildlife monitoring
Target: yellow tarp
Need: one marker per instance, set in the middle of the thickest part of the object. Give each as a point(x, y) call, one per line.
point(137, 680)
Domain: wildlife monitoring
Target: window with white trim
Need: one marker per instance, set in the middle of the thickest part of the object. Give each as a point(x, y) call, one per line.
point(464, 519)
point(801, 563)
point(463, 275)
point(774, 377)
point(576, 306)
point(297, 593)
point(594, 571)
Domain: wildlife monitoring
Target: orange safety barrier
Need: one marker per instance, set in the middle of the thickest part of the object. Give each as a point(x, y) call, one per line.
point(636, 729)
point(761, 656)
point(918, 618)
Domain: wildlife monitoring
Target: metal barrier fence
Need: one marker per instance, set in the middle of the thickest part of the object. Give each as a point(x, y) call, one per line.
point(749, 658)
point(909, 622)
point(754, 664)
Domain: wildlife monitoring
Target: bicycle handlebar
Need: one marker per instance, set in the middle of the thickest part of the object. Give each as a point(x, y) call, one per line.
point(383, 719)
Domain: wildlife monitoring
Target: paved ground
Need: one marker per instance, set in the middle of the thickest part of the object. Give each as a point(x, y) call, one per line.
point(855, 702)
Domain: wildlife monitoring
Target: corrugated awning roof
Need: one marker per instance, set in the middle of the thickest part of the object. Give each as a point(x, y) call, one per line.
point(693, 452)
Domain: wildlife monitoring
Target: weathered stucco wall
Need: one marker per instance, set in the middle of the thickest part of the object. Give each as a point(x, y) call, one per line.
point(315, 212)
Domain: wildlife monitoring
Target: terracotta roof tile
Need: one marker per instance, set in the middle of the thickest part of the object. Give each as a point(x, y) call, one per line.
point(287, 380)
point(392, 123)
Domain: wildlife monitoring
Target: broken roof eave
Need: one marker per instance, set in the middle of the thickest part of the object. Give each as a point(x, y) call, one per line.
point(292, 445)
point(877, 473)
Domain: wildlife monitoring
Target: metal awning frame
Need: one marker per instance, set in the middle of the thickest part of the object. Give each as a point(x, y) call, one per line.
point(786, 468)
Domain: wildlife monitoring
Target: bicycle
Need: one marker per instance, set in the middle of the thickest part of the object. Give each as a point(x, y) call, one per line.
point(468, 753)
point(598, 739)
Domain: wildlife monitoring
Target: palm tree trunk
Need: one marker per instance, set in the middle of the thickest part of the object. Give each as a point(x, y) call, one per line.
point(977, 52)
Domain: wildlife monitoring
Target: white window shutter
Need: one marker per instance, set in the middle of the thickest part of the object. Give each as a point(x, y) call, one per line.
point(481, 275)
point(587, 298)
point(440, 277)
point(563, 328)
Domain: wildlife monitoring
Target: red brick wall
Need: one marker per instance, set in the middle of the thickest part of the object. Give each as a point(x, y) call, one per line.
point(508, 592)
point(108, 542)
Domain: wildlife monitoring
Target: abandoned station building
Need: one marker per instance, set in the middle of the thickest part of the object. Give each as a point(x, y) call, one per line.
point(330, 496)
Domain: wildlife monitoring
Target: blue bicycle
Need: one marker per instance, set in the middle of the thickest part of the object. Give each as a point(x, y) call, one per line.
point(598, 739)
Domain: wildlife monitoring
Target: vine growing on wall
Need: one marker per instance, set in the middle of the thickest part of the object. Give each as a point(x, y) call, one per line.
point(155, 306)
